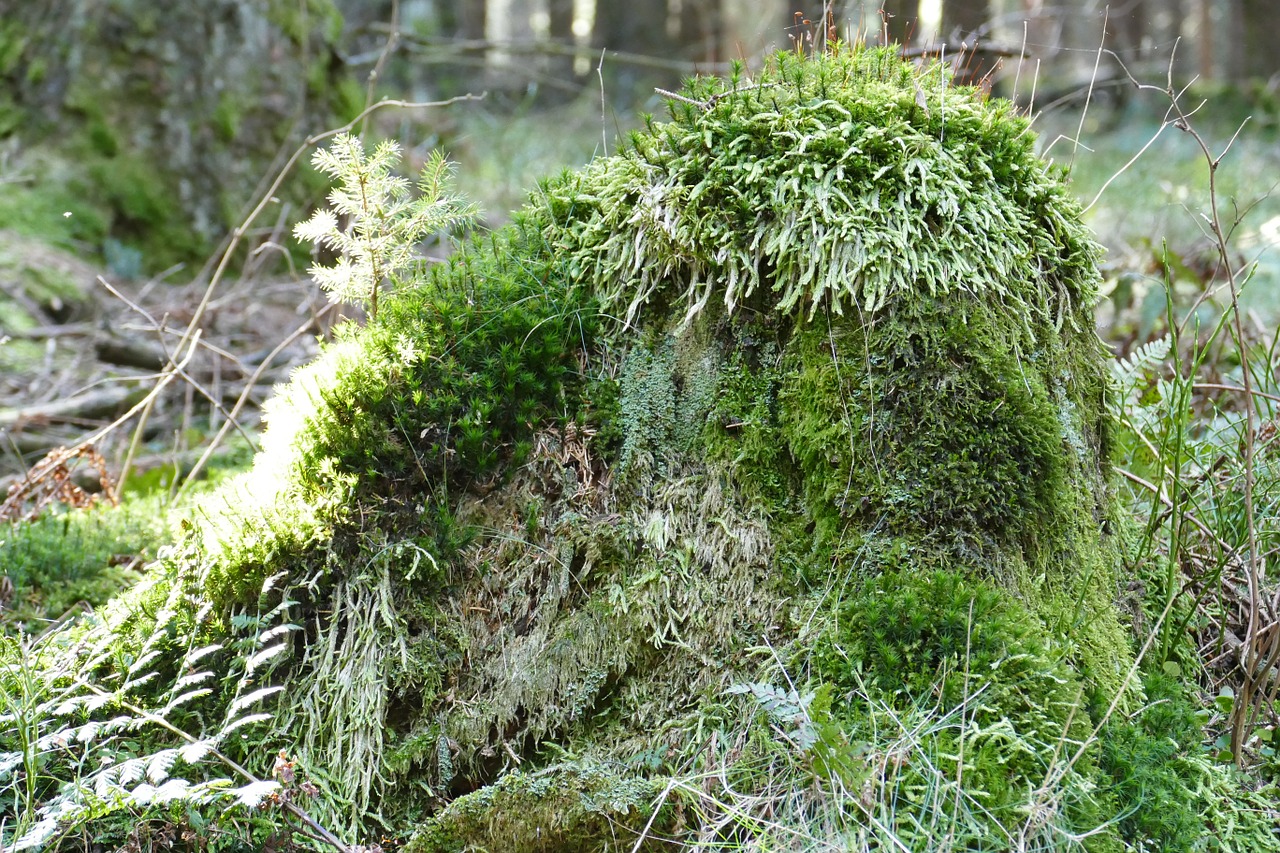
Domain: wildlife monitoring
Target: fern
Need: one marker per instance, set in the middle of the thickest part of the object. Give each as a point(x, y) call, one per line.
point(787, 709)
point(1131, 372)
point(95, 720)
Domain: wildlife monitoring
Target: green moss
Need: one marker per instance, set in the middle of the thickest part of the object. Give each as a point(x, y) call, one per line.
point(1167, 788)
point(944, 433)
point(457, 375)
point(77, 557)
point(1146, 759)
point(39, 211)
point(142, 208)
point(13, 42)
point(573, 808)
point(938, 639)
point(13, 46)
point(806, 378)
point(102, 139)
point(298, 21)
point(227, 117)
point(824, 182)
point(129, 187)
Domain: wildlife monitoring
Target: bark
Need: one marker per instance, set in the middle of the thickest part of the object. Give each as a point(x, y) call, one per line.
point(900, 20)
point(129, 353)
point(701, 30)
point(1261, 18)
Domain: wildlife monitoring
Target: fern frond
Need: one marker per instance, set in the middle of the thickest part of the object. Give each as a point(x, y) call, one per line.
point(159, 765)
point(243, 702)
point(1126, 371)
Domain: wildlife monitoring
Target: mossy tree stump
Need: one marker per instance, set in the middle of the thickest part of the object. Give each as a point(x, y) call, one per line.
point(810, 366)
point(751, 488)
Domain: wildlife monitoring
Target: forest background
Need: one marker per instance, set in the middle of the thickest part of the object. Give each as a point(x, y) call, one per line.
point(155, 159)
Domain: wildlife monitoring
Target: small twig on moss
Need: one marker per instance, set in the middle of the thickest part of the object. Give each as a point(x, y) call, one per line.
point(714, 99)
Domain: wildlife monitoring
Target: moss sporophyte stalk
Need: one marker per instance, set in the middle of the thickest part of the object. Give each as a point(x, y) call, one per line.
point(749, 490)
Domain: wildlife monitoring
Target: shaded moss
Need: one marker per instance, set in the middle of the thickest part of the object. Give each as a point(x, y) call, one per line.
point(77, 558)
point(40, 213)
point(907, 638)
point(461, 372)
point(166, 122)
point(580, 808)
point(1146, 759)
point(145, 207)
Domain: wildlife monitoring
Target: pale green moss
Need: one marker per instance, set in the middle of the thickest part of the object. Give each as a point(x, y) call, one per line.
point(826, 183)
point(582, 808)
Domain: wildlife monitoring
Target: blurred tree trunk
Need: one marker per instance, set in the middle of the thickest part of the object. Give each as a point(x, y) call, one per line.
point(518, 25)
point(1204, 42)
point(1261, 26)
point(899, 20)
point(701, 29)
point(634, 26)
point(962, 21)
point(464, 21)
point(1128, 26)
point(560, 13)
point(560, 28)
point(1164, 27)
point(962, 18)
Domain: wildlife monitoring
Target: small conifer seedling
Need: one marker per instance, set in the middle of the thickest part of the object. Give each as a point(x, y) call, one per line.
point(375, 222)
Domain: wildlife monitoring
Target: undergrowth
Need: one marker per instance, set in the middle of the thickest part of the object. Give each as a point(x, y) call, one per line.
point(75, 558)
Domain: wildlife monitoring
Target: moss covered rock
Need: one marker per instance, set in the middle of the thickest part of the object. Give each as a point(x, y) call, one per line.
point(749, 490)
